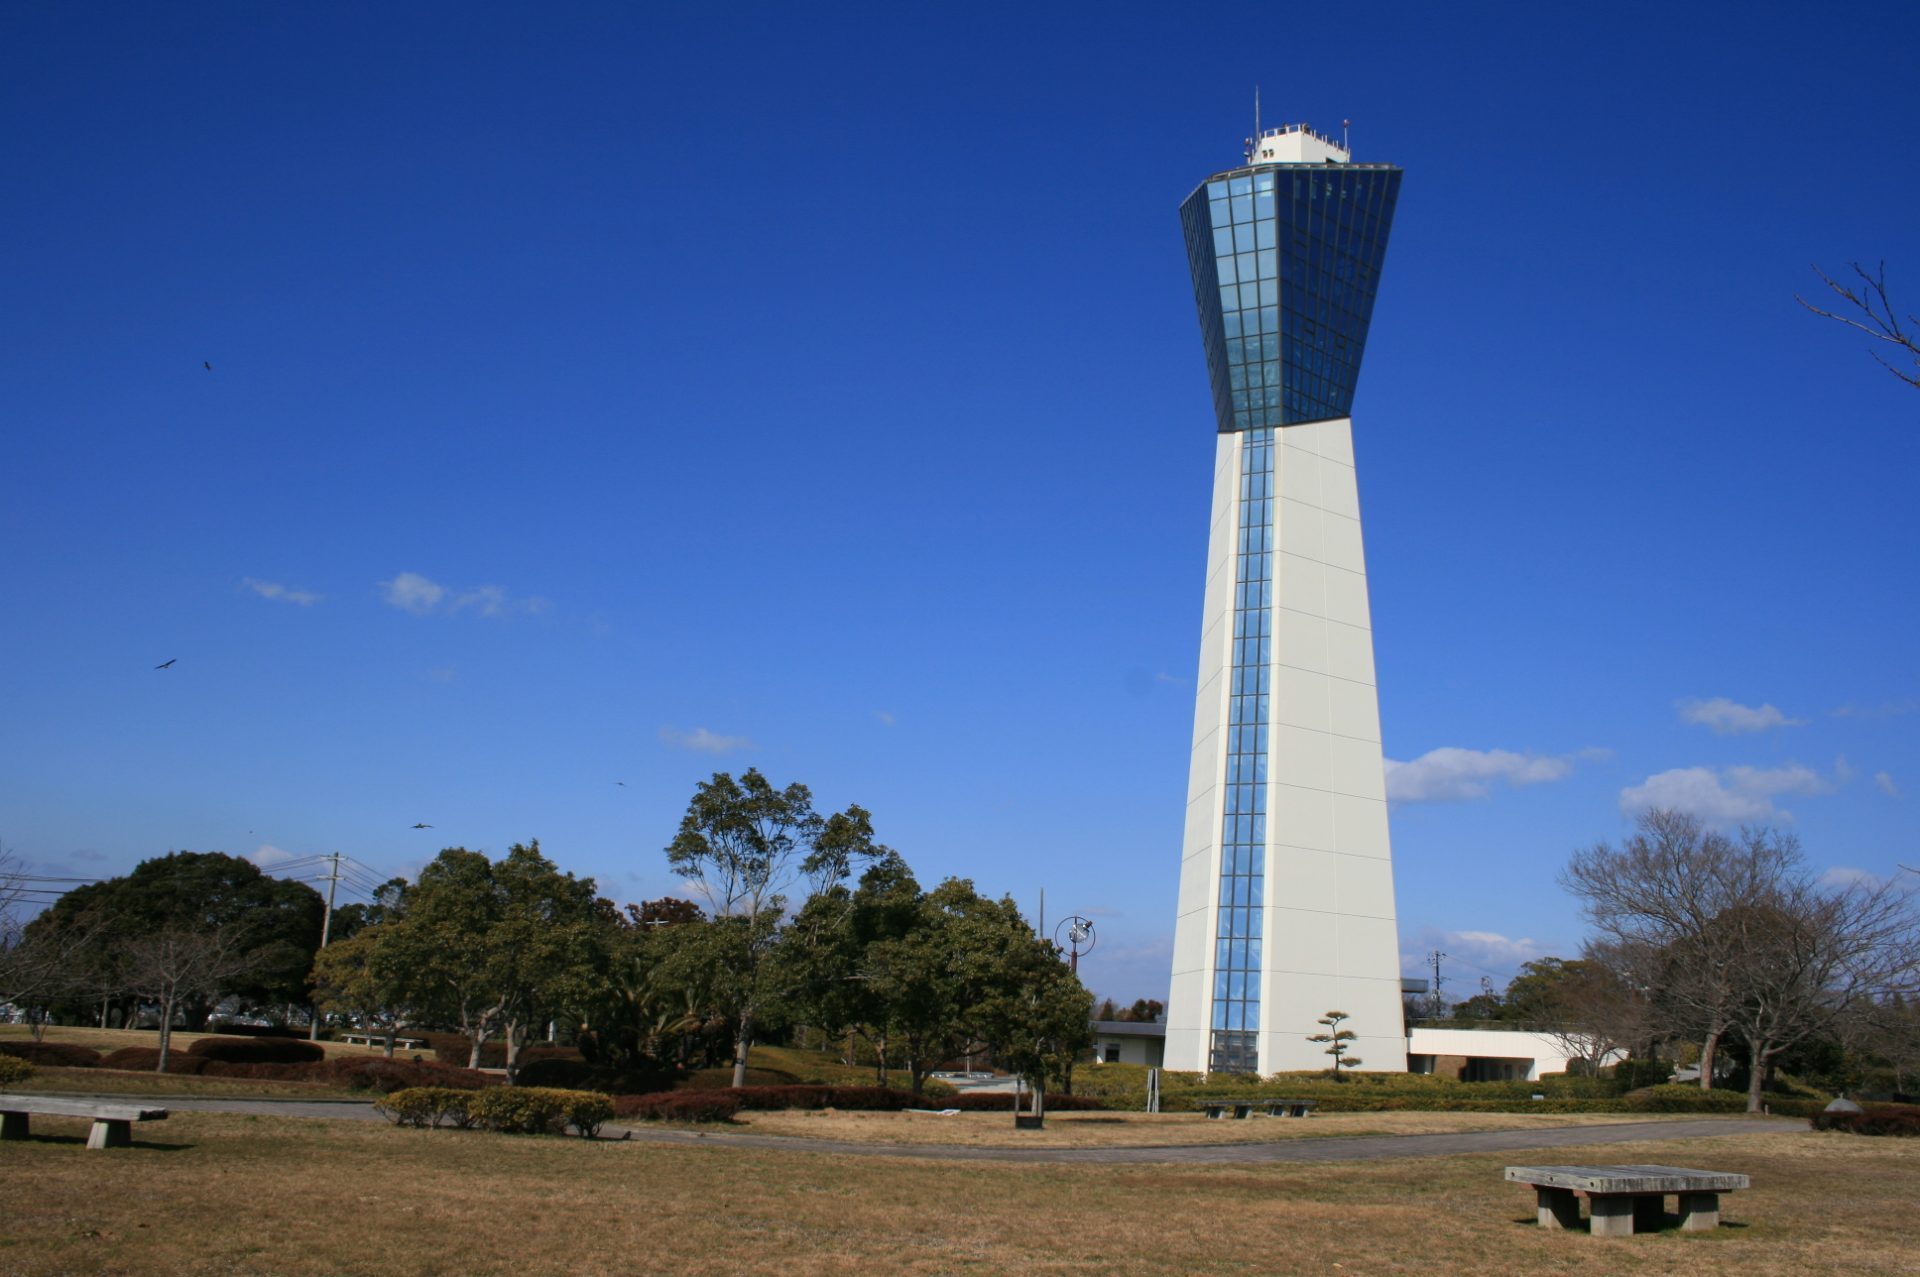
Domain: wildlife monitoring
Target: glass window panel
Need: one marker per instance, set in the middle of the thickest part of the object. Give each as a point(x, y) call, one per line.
point(1225, 267)
point(1246, 238)
point(1242, 208)
point(1263, 236)
point(1222, 240)
point(1242, 185)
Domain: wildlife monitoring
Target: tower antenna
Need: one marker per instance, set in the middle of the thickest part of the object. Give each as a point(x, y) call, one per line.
point(1256, 115)
point(1346, 143)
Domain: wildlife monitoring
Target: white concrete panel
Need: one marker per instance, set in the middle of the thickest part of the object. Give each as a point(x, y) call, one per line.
point(1347, 598)
point(1359, 825)
point(1339, 493)
point(1302, 584)
point(1352, 709)
point(1196, 874)
point(1362, 940)
point(1349, 651)
point(1340, 542)
point(1301, 878)
point(1357, 769)
point(1301, 698)
point(1334, 440)
point(1301, 817)
point(1300, 756)
point(1301, 941)
point(1300, 640)
point(1363, 887)
point(1299, 477)
point(1299, 530)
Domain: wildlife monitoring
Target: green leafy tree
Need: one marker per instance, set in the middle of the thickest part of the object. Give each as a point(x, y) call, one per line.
point(356, 978)
point(746, 844)
point(1338, 1041)
point(497, 947)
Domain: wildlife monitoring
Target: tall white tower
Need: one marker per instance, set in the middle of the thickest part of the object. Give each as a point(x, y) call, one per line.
point(1286, 878)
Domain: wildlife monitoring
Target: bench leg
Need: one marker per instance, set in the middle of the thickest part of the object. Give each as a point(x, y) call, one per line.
point(1612, 1214)
point(1699, 1212)
point(1556, 1208)
point(1215, 1114)
point(13, 1126)
point(108, 1133)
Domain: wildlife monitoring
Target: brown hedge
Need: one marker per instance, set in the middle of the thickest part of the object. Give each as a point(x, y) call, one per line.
point(262, 1050)
point(59, 1055)
point(678, 1106)
point(146, 1059)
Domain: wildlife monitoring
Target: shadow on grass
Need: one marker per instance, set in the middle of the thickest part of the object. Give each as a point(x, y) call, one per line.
point(80, 1141)
point(1668, 1224)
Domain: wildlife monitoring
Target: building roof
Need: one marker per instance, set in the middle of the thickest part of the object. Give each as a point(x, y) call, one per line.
point(1129, 1029)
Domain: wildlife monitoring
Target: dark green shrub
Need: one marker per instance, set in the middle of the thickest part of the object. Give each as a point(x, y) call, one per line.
point(53, 1055)
point(262, 1050)
point(1631, 1075)
point(574, 1074)
point(14, 1070)
point(426, 1106)
point(1685, 1099)
point(678, 1106)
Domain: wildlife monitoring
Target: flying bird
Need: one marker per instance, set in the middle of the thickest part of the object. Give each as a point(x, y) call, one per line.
point(423, 826)
point(620, 782)
point(165, 664)
point(206, 365)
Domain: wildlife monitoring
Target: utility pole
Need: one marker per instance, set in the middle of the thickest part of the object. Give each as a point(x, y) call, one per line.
point(1435, 957)
point(326, 930)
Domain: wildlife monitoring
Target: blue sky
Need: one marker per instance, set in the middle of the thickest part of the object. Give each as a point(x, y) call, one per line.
point(605, 395)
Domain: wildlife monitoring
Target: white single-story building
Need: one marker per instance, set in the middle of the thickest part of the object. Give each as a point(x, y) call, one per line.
point(1129, 1042)
point(1489, 1055)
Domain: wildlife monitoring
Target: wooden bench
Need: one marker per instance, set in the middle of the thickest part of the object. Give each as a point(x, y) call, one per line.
point(112, 1123)
point(1623, 1200)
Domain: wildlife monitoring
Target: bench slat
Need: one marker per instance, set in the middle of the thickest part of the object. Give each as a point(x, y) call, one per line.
point(79, 1108)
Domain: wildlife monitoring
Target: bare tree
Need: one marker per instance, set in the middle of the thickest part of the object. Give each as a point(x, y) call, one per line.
point(1663, 896)
point(1599, 1007)
point(1811, 957)
point(1871, 311)
point(175, 965)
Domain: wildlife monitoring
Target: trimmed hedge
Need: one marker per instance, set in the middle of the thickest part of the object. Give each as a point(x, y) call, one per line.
point(53, 1055)
point(516, 1110)
point(426, 1107)
point(1897, 1120)
point(574, 1074)
point(388, 1076)
point(13, 1069)
point(146, 1059)
point(679, 1106)
point(262, 1050)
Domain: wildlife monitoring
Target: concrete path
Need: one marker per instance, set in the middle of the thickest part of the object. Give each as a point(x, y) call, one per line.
point(1355, 1148)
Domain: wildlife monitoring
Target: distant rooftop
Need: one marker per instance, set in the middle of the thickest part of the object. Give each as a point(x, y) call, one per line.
point(1295, 144)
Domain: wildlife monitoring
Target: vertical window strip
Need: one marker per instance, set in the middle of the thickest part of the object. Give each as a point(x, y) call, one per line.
point(1237, 940)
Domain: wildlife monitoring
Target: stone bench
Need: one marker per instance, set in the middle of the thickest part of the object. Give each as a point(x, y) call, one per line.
point(1623, 1200)
point(1289, 1108)
point(112, 1123)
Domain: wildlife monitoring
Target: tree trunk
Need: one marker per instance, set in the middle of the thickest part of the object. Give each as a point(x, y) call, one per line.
point(742, 1044)
point(477, 1037)
point(1709, 1051)
point(1756, 1077)
point(516, 1043)
point(166, 1033)
point(392, 1031)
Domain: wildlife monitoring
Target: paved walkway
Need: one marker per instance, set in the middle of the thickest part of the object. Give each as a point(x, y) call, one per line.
point(1354, 1148)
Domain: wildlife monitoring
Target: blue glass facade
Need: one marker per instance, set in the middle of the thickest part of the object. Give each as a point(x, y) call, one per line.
point(1286, 261)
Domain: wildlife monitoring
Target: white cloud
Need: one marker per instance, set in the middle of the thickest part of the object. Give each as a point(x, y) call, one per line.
point(275, 590)
point(886, 719)
point(1725, 795)
point(1469, 956)
point(704, 741)
point(1884, 782)
point(1844, 876)
point(266, 855)
point(1731, 718)
point(411, 592)
point(1449, 774)
point(1885, 709)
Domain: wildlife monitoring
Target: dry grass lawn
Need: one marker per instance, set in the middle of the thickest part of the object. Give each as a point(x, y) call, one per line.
point(207, 1193)
point(127, 1082)
point(1140, 1130)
